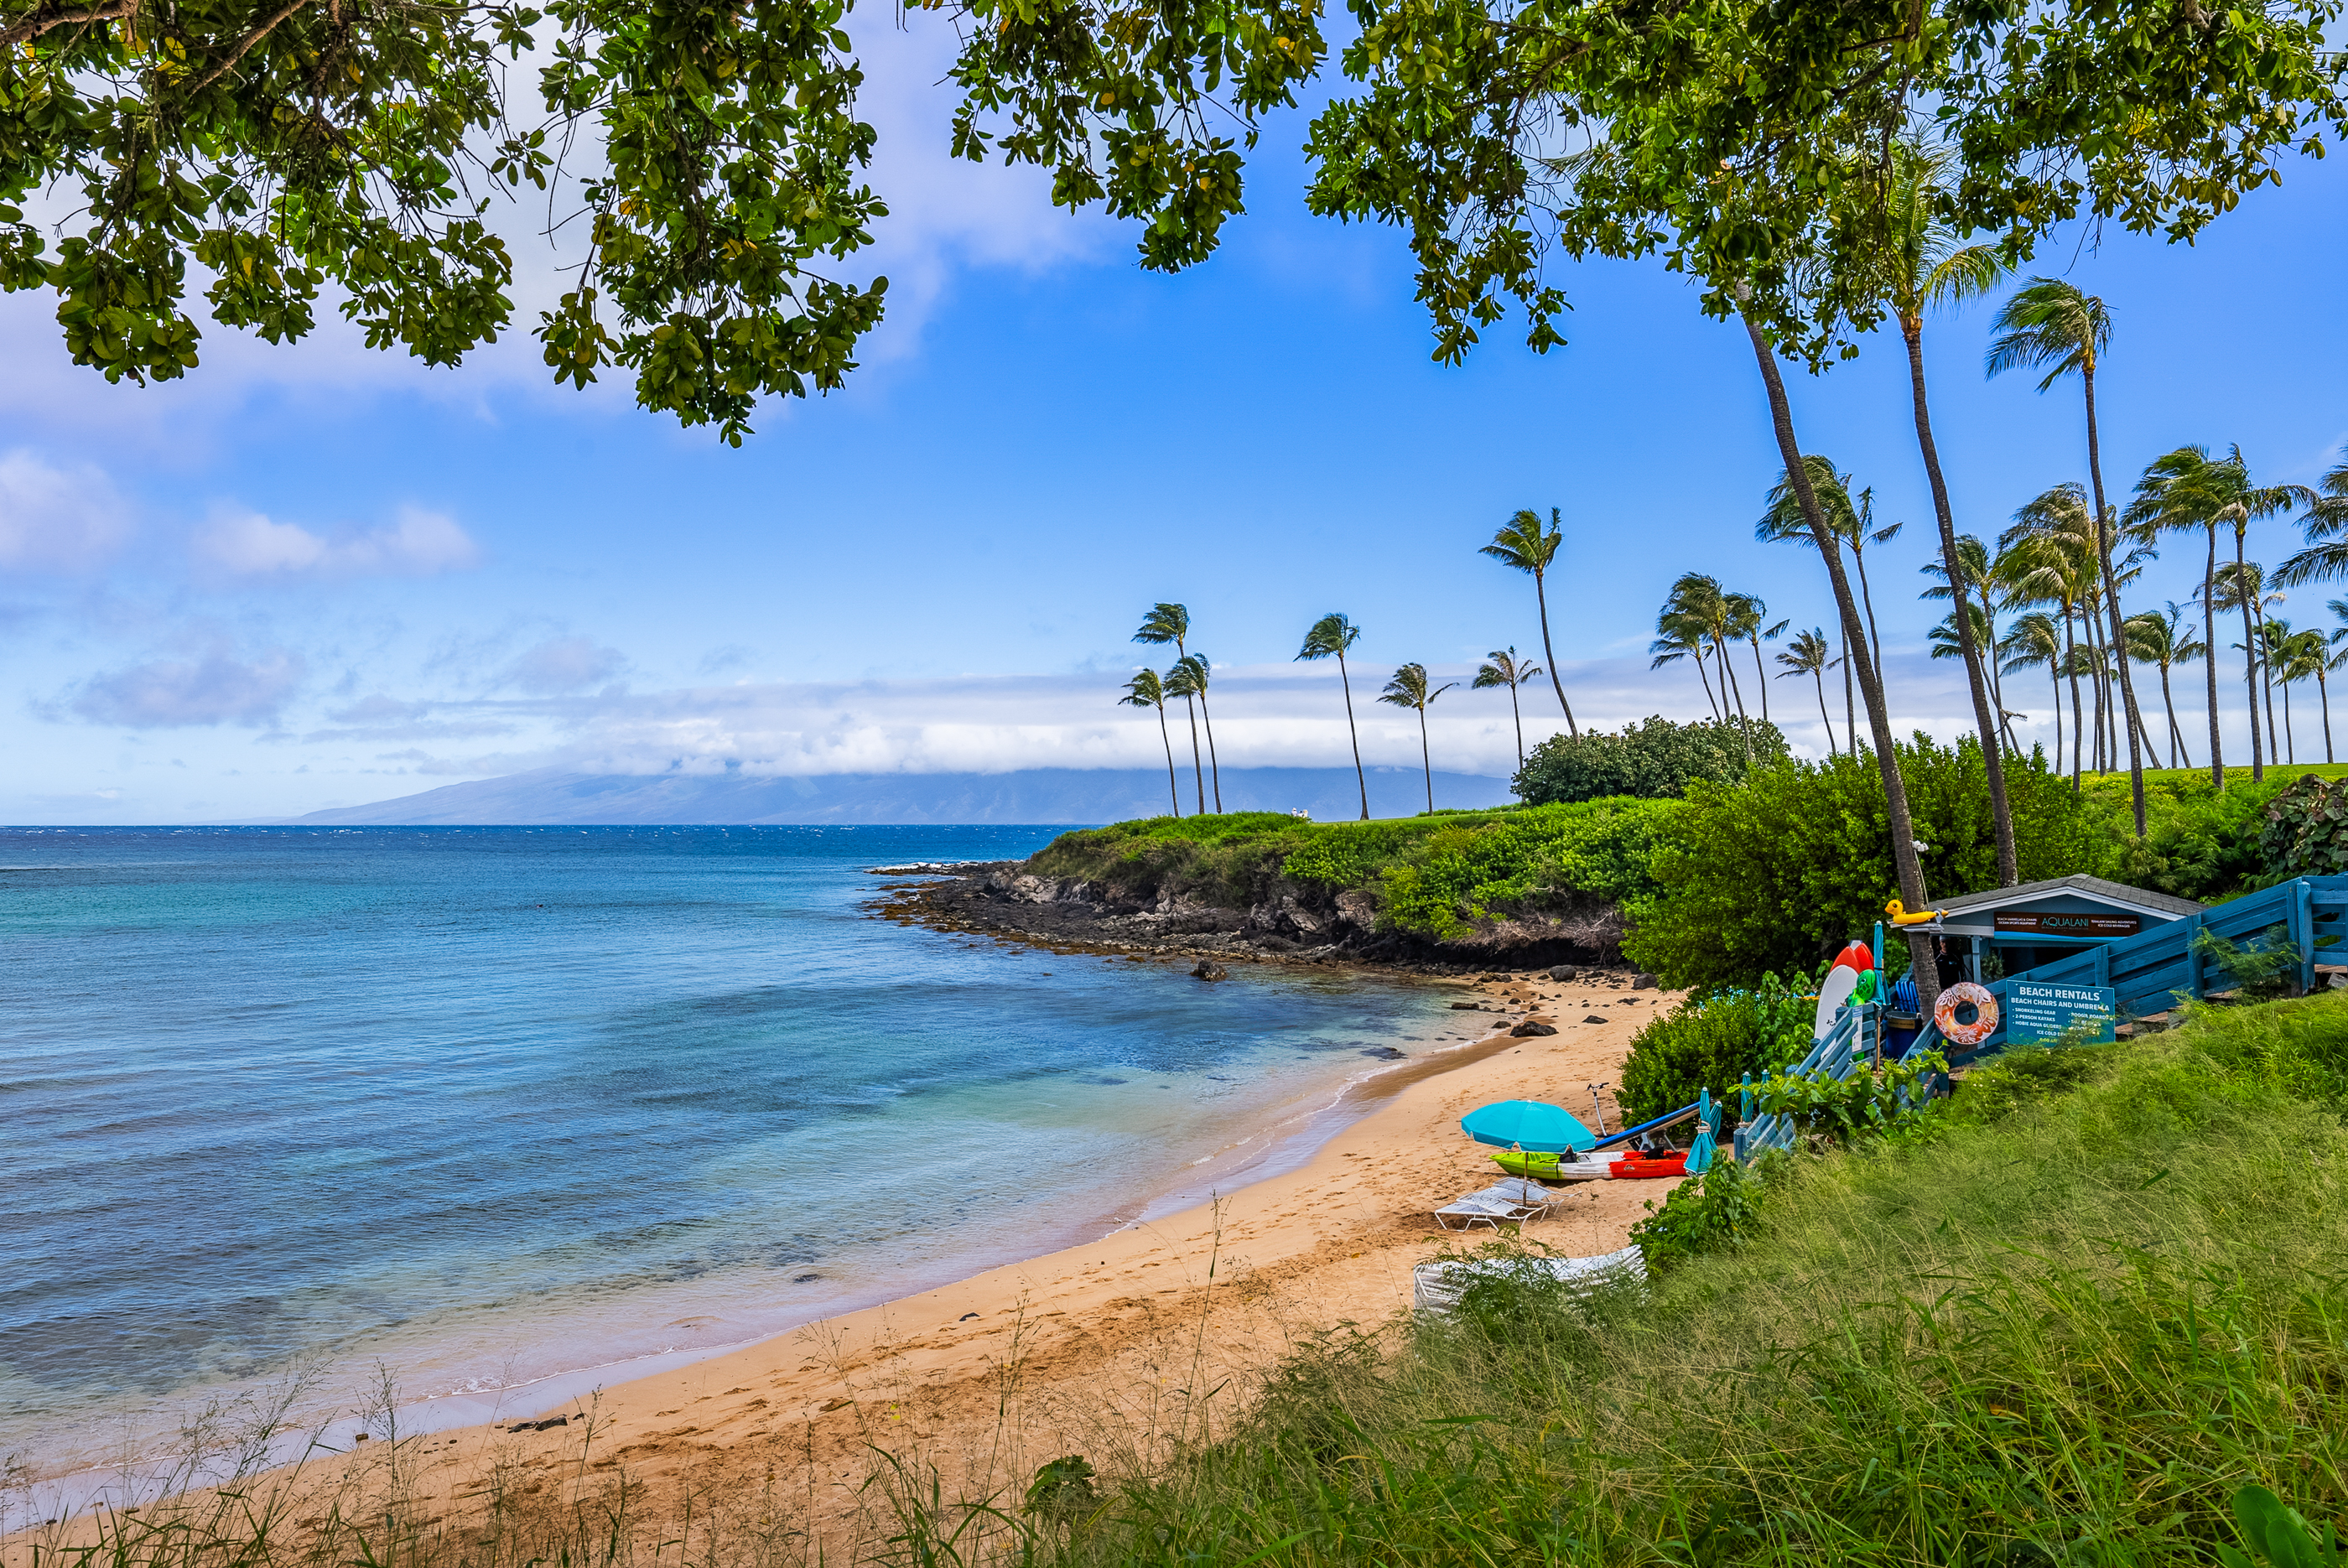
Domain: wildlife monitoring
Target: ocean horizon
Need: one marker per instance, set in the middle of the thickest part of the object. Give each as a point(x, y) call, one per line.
point(479, 1111)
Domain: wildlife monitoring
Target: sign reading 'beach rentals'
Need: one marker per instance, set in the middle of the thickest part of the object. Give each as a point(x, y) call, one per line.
point(2066, 923)
point(2038, 1011)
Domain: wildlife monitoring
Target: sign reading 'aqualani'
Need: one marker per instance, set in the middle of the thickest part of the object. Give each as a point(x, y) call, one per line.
point(2038, 1011)
point(2066, 923)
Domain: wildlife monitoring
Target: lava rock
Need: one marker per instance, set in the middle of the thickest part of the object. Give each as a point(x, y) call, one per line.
point(1595, 1018)
point(1529, 1027)
point(1642, 983)
point(1563, 971)
point(1465, 1006)
point(1209, 969)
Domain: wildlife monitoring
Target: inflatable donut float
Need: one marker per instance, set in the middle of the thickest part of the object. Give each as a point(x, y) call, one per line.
point(1944, 1013)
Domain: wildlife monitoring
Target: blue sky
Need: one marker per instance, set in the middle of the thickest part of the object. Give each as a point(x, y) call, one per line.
point(313, 576)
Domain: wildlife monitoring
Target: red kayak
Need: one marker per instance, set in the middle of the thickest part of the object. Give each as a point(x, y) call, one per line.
point(1638, 1168)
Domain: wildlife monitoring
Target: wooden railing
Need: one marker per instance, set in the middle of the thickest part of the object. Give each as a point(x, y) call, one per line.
point(2146, 973)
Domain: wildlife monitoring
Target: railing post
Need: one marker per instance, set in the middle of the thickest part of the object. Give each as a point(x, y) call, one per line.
point(2302, 910)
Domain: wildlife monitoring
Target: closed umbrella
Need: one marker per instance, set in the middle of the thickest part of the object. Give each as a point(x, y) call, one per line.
point(1528, 1124)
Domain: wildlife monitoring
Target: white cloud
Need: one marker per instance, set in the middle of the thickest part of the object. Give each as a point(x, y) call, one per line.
point(563, 665)
point(214, 687)
point(56, 519)
point(419, 544)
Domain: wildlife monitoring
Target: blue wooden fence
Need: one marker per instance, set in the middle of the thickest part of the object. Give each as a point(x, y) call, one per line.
point(2145, 972)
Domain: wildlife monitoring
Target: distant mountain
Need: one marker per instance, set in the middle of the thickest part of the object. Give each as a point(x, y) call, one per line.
point(1036, 795)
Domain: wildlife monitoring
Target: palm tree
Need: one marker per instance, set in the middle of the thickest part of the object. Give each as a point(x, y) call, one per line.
point(1808, 654)
point(1188, 679)
point(2162, 639)
point(1745, 614)
point(1682, 637)
point(1926, 267)
point(2299, 655)
point(1146, 690)
point(2036, 640)
point(1976, 572)
point(1172, 623)
point(1500, 668)
point(2326, 522)
point(2048, 557)
point(2186, 490)
point(1698, 600)
point(1850, 521)
point(1330, 635)
point(1522, 543)
point(2050, 324)
point(1408, 689)
point(2242, 585)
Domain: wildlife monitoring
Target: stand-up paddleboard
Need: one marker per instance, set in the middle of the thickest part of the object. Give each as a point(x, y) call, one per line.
point(1839, 984)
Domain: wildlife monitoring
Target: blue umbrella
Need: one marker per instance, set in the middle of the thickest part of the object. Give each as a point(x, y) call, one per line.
point(1527, 1124)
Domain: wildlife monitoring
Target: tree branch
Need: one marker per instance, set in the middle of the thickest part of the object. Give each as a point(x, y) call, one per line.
point(245, 44)
point(44, 18)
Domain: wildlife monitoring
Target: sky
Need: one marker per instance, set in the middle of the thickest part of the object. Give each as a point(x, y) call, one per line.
point(315, 575)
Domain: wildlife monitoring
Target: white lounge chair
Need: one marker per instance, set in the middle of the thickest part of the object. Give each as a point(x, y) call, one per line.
point(1478, 1209)
point(1521, 1190)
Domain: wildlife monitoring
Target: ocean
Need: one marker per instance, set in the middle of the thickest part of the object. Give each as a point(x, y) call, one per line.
point(490, 1115)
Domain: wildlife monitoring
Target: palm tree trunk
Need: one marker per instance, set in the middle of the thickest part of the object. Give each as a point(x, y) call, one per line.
point(2209, 656)
point(1874, 637)
point(1849, 712)
point(2112, 596)
point(1710, 706)
point(1540, 597)
point(1976, 683)
point(1520, 726)
point(2324, 691)
point(1425, 758)
point(1904, 858)
point(1173, 787)
point(1818, 674)
point(2289, 740)
point(1761, 678)
point(1729, 676)
point(2168, 704)
point(2250, 656)
point(2266, 680)
point(1360, 777)
point(1198, 766)
point(1214, 767)
point(2056, 675)
point(2070, 668)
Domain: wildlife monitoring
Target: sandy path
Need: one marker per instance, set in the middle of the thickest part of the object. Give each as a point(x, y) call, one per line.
point(1108, 1349)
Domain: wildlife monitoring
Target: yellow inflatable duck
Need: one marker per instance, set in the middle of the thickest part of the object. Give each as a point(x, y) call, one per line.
point(1900, 915)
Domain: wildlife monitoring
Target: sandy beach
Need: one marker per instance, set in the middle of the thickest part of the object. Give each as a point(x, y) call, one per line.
point(1111, 1349)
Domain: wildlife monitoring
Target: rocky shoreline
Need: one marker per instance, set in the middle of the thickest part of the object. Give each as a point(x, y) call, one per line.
point(1297, 924)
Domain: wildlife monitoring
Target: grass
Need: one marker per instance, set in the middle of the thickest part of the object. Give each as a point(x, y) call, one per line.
point(2064, 1319)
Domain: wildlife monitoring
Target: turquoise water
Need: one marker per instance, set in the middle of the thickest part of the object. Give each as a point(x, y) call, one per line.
point(492, 1107)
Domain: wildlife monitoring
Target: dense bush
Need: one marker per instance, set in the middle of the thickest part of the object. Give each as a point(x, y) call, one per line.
point(2306, 829)
point(2197, 843)
point(1655, 759)
point(1454, 875)
point(1712, 1042)
point(1778, 871)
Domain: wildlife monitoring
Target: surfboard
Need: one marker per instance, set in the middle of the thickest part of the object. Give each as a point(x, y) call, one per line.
point(1839, 984)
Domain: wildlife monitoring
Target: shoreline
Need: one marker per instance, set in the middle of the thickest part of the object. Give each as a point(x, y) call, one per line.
point(1325, 1227)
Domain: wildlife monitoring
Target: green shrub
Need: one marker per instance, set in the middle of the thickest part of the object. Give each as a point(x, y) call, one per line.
point(1711, 1213)
point(1712, 1042)
point(1781, 868)
point(1456, 876)
point(1653, 759)
point(2197, 843)
point(2306, 831)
